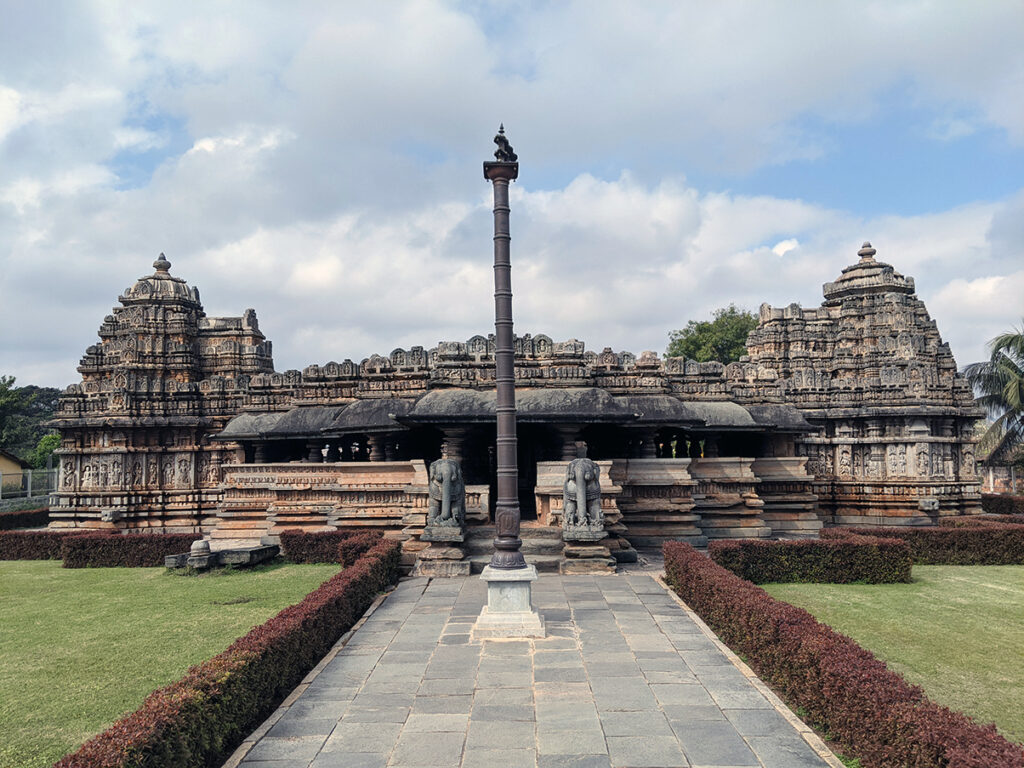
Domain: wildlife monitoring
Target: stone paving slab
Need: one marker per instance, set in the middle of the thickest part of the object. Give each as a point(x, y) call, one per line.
point(627, 677)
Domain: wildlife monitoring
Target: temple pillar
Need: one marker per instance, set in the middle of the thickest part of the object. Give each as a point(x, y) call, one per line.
point(345, 449)
point(711, 447)
point(570, 435)
point(454, 440)
point(259, 453)
point(333, 454)
point(314, 451)
point(376, 447)
point(390, 449)
point(694, 452)
point(649, 444)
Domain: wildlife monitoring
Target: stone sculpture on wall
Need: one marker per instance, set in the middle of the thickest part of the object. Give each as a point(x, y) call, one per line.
point(447, 495)
point(581, 501)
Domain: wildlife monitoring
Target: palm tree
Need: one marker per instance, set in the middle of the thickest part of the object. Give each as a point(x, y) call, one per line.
point(999, 385)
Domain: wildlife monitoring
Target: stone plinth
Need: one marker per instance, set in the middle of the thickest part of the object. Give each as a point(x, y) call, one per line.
point(726, 499)
point(444, 557)
point(657, 501)
point(509, 611)
point(787, 491)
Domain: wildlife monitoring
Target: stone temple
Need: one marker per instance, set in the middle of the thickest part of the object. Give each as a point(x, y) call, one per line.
point(849, 413)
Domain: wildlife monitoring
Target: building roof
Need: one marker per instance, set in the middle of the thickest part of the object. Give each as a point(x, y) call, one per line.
point(583, 405)
point(10, 456)
point(375, 414)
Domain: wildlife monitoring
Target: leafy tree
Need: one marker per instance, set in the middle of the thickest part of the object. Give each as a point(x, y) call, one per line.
point(24, 412)
point(999, 386)
point(723, 339)
point(44, 449)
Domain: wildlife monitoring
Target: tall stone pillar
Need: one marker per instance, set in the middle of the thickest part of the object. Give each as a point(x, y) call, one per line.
point(314, 451)
point(509, 611)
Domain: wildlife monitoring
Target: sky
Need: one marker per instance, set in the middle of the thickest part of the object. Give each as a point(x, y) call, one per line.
point(321, 163)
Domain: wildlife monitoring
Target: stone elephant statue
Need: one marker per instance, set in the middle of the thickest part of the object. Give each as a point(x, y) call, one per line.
point(581, 495)
point(447, 492)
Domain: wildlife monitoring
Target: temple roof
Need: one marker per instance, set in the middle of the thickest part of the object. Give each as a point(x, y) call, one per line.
point(249, 426)
point(783, 418)
point(868, 276)
point(567, 405)
point(662, 410)
point(376, 414)
point(161, 285)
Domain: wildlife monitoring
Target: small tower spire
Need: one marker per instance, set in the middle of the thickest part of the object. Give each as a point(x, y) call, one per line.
point(866, 252)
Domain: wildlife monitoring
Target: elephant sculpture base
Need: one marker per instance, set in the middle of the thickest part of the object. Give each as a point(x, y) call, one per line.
point(443, 533)
point(583, 534)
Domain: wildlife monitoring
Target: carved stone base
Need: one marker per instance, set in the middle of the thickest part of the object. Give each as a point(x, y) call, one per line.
point(442, 533)
point(583, 534)
point(442, 569)
point(443, 557)
point(509, 611)
point(586, 559)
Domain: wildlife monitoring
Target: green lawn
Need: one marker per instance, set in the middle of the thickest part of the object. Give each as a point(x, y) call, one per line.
point(957, 631)
point(79, 648)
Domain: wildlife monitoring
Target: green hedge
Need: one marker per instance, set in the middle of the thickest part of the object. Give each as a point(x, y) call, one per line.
point(830, 561)
point(199, 720)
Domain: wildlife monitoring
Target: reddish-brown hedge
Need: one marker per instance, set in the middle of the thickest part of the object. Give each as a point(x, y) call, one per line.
point(1002, 504)
point(829, 561)
point(995, 544)
point(319, 547)
point(143, 550)
point(24, 518)
point(868, 709)
point(198, 720)
point(968, 521)
point(34, 545)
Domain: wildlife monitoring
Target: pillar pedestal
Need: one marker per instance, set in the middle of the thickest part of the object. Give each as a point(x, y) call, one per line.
point(509, 611)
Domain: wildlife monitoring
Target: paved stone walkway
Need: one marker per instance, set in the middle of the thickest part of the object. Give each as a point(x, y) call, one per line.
point(625, 677)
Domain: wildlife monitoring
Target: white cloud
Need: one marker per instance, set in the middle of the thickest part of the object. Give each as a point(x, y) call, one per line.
point(321, 162)
point(783, 247)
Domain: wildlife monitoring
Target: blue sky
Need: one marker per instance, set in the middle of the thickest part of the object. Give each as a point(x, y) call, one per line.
point(321, 163)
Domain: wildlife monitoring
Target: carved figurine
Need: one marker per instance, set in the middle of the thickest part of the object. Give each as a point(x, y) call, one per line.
point(504, 153)
point(581, 496)
point(447, 494)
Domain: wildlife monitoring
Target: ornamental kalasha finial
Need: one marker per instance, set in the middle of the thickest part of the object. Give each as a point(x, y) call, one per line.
point(504, 152)
point(866, 252)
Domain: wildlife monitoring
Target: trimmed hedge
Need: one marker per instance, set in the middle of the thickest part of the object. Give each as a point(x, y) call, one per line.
point(24, 518)
point(319, 547)
point(198, 720)
point(1002, 504)
point(143, 550)
point(868, 709)
point(995, 544)
point(968, 521)
point(35, 545)
point(828, 561)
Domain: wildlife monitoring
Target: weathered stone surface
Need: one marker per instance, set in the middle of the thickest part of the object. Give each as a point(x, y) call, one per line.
point(249, 555)
point(441, 569)
point(180, 423)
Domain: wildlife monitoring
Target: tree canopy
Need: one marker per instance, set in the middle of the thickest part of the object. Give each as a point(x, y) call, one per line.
point(999, 388)
point(723, 339)
point(24, 412)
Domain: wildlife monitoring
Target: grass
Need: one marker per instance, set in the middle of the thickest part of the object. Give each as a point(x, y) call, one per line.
point(957, 631)
point(80, 648)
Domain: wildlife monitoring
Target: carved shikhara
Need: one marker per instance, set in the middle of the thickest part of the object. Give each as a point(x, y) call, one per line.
point(890, 420)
